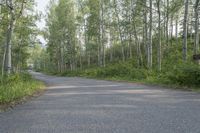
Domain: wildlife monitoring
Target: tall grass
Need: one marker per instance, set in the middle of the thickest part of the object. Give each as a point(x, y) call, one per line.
point(18, 86)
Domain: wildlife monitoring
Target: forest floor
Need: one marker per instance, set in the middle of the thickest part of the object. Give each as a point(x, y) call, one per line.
point(72, 104)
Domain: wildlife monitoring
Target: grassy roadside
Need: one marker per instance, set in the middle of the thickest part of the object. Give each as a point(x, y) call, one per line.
point(18, 88)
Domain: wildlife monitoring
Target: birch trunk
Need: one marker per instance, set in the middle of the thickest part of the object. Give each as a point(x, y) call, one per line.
point(159, 37)
point(9, 41)
point(196, 41)
point(150, 37)
point(120, 32)
point(185, 27)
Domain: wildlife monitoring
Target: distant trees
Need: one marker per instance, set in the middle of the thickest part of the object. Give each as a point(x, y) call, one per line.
point(90, 33)
point(62, 35)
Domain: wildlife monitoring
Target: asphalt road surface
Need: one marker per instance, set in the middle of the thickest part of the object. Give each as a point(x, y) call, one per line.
point(78, 105)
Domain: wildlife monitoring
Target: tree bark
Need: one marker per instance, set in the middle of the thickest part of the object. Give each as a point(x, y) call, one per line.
point(102, 34)
point(196, 41)
point(185, 26)
point(159, 58)
point(167, 24)
point(177, 42)
point(159, 37)
point(150, 36)
point(120, 32)
point(4, 61)
point(9, 41)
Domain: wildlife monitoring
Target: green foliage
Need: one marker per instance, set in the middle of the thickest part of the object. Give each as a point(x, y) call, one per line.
point(23, 35)
point(186, 75)
point(61, 35)
point(17, 86)
point(118, 70)
point(121, 70)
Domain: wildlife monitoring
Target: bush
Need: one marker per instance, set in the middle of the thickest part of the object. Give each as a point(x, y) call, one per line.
point(139, 74)
point(117, 71)
point(187, 75)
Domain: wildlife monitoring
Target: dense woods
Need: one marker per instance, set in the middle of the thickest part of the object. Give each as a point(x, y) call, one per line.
point(157, 36)
point(89, 33)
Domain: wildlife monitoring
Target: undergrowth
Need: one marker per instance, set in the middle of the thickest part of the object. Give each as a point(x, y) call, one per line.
point(186, 75)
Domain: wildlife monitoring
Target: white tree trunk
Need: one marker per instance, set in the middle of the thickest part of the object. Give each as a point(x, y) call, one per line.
point(150, 52)
point(185, 26)
point(9, 43)
point(196, 41)
point(159, 37)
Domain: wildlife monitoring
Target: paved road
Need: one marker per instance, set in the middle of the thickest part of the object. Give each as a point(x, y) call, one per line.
point(77, 105)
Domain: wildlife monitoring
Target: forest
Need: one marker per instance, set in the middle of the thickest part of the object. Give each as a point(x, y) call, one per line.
point(151, 41)
point(155, 41)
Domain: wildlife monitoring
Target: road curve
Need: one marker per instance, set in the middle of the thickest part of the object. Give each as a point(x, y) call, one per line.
point(78, 105)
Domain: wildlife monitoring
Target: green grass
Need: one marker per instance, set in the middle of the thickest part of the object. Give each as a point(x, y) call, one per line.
point(16, 87)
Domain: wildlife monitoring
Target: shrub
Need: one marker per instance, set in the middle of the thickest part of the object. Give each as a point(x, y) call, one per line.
point(187, 75)
point(138, 74)
point(119, 70)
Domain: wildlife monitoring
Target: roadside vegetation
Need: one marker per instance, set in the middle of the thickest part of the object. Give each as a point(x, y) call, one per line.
point(16, 87)
point(185, 76)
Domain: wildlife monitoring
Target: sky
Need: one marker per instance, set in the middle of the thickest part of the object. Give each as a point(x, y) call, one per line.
point(41, 7)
